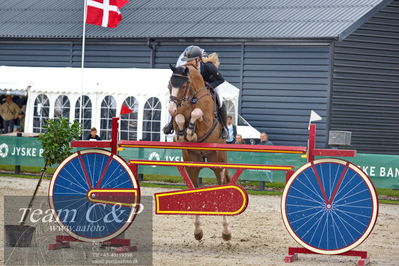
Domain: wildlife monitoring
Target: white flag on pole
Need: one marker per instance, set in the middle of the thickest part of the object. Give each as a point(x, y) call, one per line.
point(314, 117)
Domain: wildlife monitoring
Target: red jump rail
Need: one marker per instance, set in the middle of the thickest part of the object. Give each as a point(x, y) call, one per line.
point(311, 150)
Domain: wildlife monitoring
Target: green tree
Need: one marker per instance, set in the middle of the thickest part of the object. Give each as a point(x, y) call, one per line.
point(55, 142)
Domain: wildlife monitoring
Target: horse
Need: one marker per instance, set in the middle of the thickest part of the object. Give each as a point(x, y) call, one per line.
point(194, 111)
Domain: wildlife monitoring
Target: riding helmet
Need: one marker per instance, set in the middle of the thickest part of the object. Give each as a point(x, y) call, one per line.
point(191, 53)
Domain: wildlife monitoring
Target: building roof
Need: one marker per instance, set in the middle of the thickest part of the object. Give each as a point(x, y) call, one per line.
point(258, 19)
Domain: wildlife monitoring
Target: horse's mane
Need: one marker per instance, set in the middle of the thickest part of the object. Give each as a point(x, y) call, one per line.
point(195, 76)
point(213, 58)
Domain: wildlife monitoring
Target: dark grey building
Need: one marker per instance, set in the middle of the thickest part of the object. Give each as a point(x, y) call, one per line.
point(339, 58)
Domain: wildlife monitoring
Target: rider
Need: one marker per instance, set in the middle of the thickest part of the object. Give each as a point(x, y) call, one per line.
point(193, 55)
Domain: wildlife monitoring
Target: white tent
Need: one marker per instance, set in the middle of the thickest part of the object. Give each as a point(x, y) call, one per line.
point(96, 83)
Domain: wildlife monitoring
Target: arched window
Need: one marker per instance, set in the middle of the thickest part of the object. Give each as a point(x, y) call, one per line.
point(62, 107)
point(129, 121)
point(230, 108)
point(85, 115)
point(152, 120)
point(108, 110)
point(41, 110)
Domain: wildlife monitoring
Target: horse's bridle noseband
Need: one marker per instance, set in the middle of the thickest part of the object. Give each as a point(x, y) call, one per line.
point(176, 100)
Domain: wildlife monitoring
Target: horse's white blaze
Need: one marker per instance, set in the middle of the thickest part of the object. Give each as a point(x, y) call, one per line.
point(172, 107)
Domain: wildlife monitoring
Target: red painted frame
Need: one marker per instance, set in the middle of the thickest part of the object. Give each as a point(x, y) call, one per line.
point(294, 251)
point(311, 152)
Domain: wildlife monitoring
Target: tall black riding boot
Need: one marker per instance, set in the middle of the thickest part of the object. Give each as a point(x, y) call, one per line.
point(168, 129)
point(223, 120)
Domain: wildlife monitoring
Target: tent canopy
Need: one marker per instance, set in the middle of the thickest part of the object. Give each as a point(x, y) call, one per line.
point(115, 81)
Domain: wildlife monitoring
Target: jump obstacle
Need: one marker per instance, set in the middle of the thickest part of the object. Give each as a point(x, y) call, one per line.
point(329, 206)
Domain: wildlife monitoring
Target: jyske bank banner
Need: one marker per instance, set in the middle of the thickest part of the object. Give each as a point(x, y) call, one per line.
point(382, 169)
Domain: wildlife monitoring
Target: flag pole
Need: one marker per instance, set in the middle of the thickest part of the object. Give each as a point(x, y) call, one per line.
point(82, 65)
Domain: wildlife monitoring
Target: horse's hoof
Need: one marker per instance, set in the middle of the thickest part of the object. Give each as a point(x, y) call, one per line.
point(198, 236)
point(226, 237)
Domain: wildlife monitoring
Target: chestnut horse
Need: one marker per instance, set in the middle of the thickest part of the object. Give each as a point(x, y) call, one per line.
point(194, 112)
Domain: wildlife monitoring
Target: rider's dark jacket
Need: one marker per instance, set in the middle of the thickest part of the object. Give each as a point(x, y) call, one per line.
point(211, 74)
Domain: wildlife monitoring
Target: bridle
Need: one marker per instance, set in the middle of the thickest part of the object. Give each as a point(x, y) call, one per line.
point(192, 100)
point(176, 100)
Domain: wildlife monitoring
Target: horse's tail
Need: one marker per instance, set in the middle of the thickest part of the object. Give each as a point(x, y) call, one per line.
point(213, 58)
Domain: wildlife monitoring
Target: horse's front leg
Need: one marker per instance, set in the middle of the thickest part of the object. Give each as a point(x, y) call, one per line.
point(180, 120)
point(196, 114)
point(224, 178)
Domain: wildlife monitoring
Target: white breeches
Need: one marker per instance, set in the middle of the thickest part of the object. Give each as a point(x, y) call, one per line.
point(219, 94)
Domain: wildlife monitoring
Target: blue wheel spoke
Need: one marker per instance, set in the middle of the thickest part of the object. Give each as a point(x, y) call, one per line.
point(299, 205)
point(304, 210)
point(317, 222)
point(346, 228)
point(74, 203)
point(310, 216)
point(68, 188)
point(71, 178)
point(324, 230)
point(297, 229)
point(353, 206)
point(355, 201)
point(351, 217)
point(351, 195)
point(328, 206)
point(307, 200)
point(316, 192)
point(110, 179)
point(312, 190)
point(354, 213)
point(123, 183)
point(338, 229)
point(307, 196)
point(83, 178)
point(114, 179)
point(346, 184)
point(77, 183)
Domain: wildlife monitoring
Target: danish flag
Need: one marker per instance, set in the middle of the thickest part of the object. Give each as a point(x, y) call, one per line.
point(104, 13)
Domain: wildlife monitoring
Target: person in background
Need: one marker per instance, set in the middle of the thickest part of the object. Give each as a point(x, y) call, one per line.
point(93, 134)
point(239, 139)
point(264, 139)
point(21, 122)
point(9, 111)
point(232, 130)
